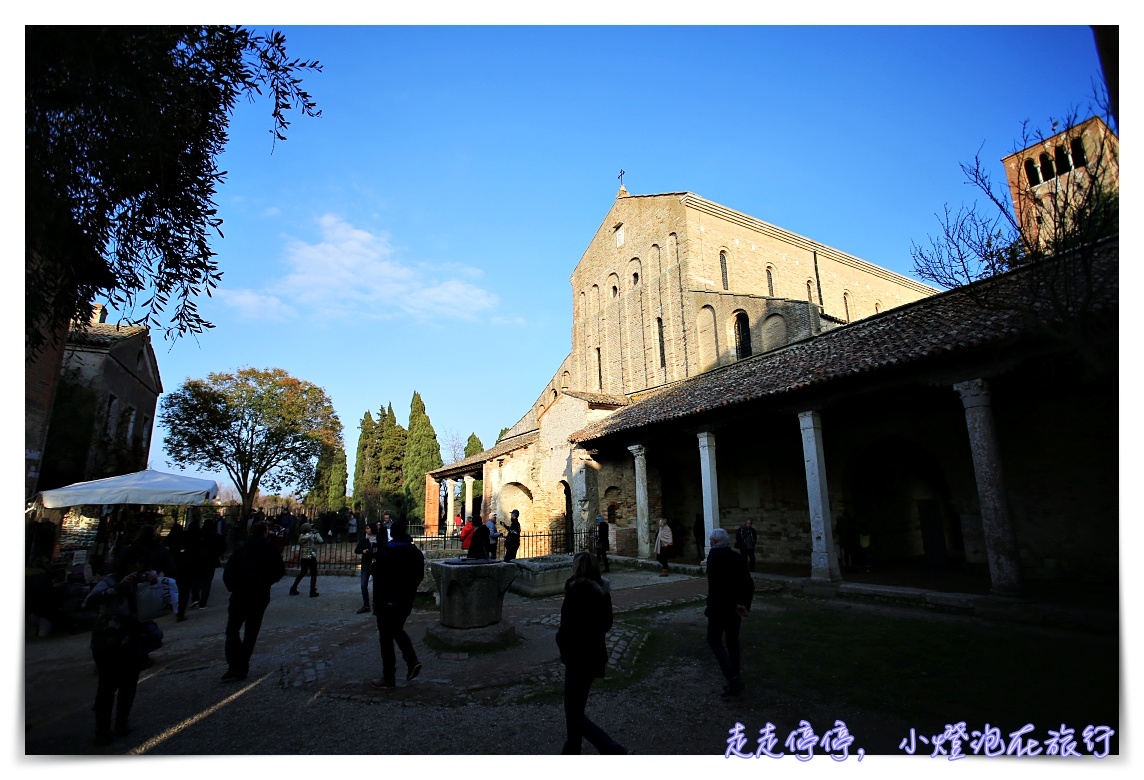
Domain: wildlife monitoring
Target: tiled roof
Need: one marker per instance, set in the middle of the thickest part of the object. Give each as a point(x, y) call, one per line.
point(103, 333)
point(502, 448)
point(952, 322)
point(598, 398)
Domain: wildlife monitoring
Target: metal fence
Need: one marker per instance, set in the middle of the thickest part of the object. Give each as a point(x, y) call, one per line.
point(339, 556)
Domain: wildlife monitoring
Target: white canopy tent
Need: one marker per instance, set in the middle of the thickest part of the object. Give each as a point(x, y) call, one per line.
point(142, 487)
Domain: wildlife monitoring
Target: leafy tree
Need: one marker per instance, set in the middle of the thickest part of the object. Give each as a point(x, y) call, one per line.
point(362, 476)
point(123, 127)
point(391, 462)
point(422, 454)
point(262, 427)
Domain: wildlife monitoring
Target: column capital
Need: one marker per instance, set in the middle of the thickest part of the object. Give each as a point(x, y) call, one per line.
point(974, 392)
point(638, 450)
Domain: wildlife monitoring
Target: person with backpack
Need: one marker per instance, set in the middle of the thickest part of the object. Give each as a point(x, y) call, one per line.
point(308, 551)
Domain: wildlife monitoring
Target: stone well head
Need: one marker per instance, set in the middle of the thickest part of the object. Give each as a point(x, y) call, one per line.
point(472, 592)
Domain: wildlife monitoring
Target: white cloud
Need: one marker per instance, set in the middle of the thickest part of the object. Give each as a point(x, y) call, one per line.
point(356, 269)
point(251, 304)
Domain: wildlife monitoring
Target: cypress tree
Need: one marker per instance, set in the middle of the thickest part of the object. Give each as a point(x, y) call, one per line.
point(361, 462)
point(391, 459)
point(422, 454)
point(472, 447)
point(336, 485)
point(329, 490)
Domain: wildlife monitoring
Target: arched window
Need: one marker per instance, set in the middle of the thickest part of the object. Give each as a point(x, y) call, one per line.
point(1079, 159)
point(877, 308)
point(723, 270)
point(742, 336)
point(1047, 171)
point(1062, 159)
point(635, 278)
point(770, 283)
point(554, 395)
point(846, 305)
point(810, 290)
point(1032, 173)
point(662, 351)
point(599, 371)
point(564, 381)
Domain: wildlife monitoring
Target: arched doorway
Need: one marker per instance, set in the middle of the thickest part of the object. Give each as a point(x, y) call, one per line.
point(897, 492)
point(514, 495)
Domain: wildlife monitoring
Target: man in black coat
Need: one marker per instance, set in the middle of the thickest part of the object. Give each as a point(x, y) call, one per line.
point(745, 540)
point(398, 569)
point(729, 592)
point(249, 573)
point(479, 541)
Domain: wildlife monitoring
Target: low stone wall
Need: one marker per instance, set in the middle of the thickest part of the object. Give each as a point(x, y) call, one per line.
point(543, 576)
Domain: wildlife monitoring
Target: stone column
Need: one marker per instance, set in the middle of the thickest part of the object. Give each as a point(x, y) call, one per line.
point(823, 558)
point(450, 503)
point(1000, 538)
point(643, 521)
point(710, 479)
point(468, 497)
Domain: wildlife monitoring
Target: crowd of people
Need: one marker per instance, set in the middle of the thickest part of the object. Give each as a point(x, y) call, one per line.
point(393, 565)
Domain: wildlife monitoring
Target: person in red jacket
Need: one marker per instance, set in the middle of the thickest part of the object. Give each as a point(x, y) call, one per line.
point(467, 534)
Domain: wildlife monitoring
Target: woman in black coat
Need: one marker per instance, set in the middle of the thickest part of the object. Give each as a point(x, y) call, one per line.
point(585, 618)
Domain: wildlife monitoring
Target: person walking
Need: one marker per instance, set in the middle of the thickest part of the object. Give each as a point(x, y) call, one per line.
point(585, 619)
point(663, 542)
point(116, 645)
point(398, 570)
point(308, 551)
point(511, 536)
point(729, 592)
point(367, 549)
point(745, 539)
point(248, 575)
point(603, 543)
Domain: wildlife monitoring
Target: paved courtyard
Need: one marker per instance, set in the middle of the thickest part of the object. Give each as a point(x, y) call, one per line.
point(308, 690)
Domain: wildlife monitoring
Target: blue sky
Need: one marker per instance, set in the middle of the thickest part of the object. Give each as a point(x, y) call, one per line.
point(420, 235)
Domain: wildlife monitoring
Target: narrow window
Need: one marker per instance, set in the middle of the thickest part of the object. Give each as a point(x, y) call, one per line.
point(662, 352)
point(742, 336)
point(809, 291)
point(599, 371)
point(635, 279)
point(615, 291)
point(146, 434)
point(877, 308)
point(770, 283)
point(1032, 173)
point(618, 230)
point(1046, 166)
point(112, 414)
point(1062, 158)
point(129, 436)
point(1079, 159)
point(846, 305)
point(723, 268)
